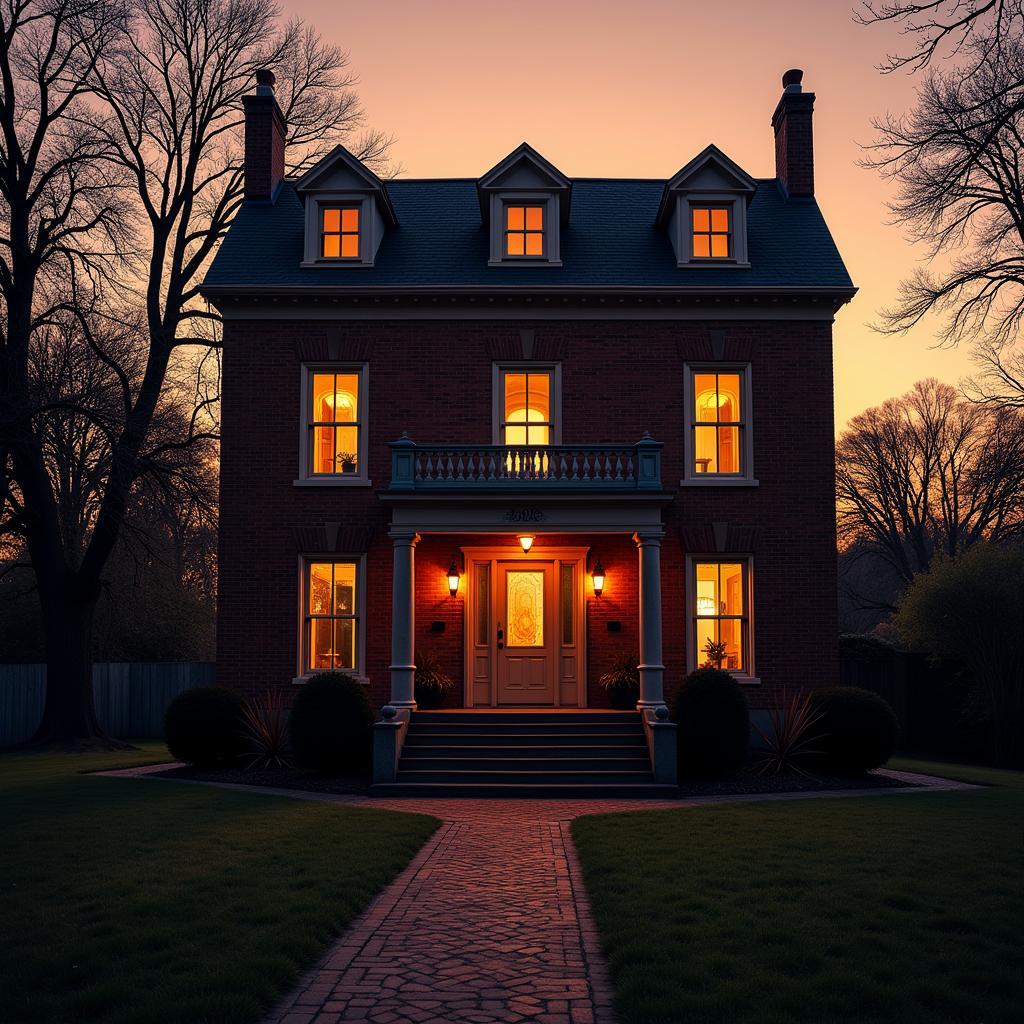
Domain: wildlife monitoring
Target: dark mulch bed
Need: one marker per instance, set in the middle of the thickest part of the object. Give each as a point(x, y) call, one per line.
point(747, 780)
point(276, 778)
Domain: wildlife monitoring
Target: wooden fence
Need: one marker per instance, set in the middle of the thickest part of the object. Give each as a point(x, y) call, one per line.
point(131, 696)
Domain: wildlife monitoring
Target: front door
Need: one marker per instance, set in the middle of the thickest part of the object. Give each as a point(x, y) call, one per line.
point(525, 625)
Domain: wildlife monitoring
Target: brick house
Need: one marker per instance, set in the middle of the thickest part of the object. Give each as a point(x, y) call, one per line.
point(527, 424)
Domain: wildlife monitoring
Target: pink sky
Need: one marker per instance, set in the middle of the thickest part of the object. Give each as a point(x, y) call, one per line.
point(636, 89)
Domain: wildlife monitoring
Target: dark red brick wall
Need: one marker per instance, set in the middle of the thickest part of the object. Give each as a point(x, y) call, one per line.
point(619, 378)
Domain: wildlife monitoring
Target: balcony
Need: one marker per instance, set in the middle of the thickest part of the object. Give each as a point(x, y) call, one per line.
point(526, 468)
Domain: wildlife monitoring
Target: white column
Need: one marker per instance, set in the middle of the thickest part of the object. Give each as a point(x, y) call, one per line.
point(651, 668)
point(403, 619)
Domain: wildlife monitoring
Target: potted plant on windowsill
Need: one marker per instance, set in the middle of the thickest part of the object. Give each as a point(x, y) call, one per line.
point(347, 461)
point(622, 682)
point(431, 681)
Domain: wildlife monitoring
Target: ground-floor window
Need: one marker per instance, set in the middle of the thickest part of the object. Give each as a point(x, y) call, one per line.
point(719, 593)
point(331, 615)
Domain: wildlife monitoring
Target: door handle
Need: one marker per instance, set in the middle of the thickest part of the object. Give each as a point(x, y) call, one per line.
point(501, 637)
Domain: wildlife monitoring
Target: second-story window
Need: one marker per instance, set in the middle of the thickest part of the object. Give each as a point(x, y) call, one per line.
point(524, 230)
point(527, 407)
point(718, 422)
point(334, 413)
point(711, 232)
point(339, 232)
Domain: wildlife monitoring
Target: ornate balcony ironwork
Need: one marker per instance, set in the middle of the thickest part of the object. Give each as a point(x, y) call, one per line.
point(594, 467)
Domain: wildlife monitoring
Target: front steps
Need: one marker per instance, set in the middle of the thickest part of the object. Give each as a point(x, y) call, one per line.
point(525, 754)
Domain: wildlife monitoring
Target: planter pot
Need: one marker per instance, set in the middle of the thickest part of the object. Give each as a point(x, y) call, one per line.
point(429, 697)
point(623, 696)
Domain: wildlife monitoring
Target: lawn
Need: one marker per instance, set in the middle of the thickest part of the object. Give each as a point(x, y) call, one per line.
point(901, 908)
point(159, 903)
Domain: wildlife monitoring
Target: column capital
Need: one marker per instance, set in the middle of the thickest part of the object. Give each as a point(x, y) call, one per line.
point(651, 535)
point(403, 536)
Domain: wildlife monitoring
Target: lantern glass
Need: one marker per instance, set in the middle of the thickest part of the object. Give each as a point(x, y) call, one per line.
point(453, 578)
point(598, 577)
point(526, 542)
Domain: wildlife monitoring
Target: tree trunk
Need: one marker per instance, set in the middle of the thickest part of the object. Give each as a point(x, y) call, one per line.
point(69, 713)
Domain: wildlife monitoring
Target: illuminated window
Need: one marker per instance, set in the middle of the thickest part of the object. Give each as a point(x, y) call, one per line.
point(524, 230)
point(335, 404)
point(718, 422)
point(711, 232)
point(339, 232)
point(720, 617)
point(331, 616)
point(527, 416)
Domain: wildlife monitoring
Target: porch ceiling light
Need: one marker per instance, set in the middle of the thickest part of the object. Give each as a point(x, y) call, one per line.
point(597, 574)
point(526, 542)
point(453, 578)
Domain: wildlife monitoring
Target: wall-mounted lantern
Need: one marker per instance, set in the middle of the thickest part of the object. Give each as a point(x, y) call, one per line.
point(453, 577)
point(597, 575)
point(526, 542)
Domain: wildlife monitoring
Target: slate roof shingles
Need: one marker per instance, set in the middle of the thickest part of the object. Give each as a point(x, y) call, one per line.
point(611, 241)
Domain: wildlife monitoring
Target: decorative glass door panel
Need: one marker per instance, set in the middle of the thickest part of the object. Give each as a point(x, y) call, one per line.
point(525, 604)
point(526, 656)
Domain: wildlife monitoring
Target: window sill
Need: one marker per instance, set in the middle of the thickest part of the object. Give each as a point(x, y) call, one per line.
point(725, 481)
point(746, 680)
point(333, 263)
point(340, 482)
point(514, 262)
point(302, 680)
point(703, 264)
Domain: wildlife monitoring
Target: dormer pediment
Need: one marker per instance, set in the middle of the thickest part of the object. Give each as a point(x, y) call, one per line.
point(524, 169)
point(340, 171)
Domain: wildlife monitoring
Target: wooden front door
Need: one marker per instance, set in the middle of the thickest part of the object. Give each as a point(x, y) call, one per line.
point(525, 634)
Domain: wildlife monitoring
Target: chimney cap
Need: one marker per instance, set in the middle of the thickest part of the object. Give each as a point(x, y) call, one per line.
point(793, 77)
point(265, 80)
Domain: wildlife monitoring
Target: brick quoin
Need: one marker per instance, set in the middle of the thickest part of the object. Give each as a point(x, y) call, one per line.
point(433, 378)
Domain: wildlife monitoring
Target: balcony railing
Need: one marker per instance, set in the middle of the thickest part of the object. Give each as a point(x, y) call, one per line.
point(602, 467)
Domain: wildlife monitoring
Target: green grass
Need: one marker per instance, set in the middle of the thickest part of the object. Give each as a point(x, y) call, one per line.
point(140, 901)
point(899, 908)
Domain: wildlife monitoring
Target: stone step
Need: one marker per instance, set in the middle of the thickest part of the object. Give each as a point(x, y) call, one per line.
point(528, 791)
point(494, 750)
point(509, 728)
point(523, 777)
point(480, 738)
point(436, 761)
point(570, 715)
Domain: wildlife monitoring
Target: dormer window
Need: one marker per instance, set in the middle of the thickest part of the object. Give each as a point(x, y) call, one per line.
point(524, 230)
point(339, 232)
point(704, 211)
point(711, 236)
point(524, 202)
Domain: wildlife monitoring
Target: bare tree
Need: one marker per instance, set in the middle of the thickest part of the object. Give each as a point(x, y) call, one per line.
point(943, 28)
point(929, 473)
point(142, 105)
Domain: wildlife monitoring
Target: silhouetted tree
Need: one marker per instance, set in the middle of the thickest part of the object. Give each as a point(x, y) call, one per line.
point(929, 473)
point(120, 171)
point(971, 609)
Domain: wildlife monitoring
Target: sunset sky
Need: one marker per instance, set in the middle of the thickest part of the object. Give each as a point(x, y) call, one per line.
point(635, 90)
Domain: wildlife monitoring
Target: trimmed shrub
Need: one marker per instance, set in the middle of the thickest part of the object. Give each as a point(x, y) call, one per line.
point(332, 725)
point(857, 729)
point(713, 720)
point(203, 726)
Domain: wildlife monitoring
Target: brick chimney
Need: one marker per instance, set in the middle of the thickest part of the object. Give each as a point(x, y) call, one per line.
point(794, 136)
point(264, 139)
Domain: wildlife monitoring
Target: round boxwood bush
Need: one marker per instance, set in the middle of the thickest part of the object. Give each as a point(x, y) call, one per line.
point(203, 726)
point(332, 725)
point(857, 729)
point(713, 723)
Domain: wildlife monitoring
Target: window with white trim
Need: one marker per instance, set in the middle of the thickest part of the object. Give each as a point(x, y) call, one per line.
point(720, 636)
point(527, 405)
point(334, 407)
point(331, 625)
point(718, 444)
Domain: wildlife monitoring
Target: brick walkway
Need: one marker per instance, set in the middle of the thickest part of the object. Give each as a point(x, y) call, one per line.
point(489, 922)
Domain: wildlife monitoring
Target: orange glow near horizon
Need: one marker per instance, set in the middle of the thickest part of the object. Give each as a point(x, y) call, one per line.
point(637, 90)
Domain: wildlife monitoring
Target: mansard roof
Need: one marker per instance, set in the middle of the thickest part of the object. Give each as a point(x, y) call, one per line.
point(611, 241)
